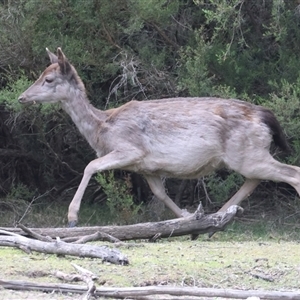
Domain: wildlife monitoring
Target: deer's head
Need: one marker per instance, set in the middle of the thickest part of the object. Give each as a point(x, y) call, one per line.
point(55, 82)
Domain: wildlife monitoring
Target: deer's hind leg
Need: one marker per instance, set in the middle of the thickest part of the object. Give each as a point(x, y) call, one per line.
point(245, 191)
point(263, 168)
point(271, 169)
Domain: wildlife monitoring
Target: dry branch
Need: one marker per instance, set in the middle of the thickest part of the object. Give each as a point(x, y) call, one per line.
point(198, 223)
point(59, 247)
point(138, 292)
point(34, 234)
point(85, 276)
point(88, 277)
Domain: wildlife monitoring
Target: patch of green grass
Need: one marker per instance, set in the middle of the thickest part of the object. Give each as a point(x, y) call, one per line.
point(256, 229)
point(175, 262)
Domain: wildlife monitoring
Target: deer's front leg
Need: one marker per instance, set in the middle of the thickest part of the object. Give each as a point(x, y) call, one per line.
point(158, 190)
point(113, 160)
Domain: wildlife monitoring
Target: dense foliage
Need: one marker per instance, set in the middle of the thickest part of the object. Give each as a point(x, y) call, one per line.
point(142, 49)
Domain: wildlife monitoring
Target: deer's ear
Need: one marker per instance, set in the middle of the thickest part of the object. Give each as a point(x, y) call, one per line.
point(52, 56)
point(65, 66)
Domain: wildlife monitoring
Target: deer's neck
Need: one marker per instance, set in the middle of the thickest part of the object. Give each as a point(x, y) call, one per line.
point(86, 117)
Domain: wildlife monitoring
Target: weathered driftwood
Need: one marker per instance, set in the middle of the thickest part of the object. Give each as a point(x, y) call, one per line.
point(62, 248)
point(198, 223)
point(139, 292)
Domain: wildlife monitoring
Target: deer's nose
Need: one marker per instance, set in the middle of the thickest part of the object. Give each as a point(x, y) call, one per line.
point(21, 98)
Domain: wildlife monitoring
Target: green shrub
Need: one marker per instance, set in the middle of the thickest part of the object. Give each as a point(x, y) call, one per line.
point(284, 102)
point(9, 95)
point(119, 198)
point(221, 189)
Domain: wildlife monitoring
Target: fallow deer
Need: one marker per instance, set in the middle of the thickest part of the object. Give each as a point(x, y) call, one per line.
point(176, 137)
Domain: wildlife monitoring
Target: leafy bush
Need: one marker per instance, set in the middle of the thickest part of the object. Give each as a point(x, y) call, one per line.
point(119, 198)
point(221, 189)
point(14, 87)
point(21, 192)
point(284, 102)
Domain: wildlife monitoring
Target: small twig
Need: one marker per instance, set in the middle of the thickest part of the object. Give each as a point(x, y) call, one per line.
point(110, 38)
point(34, 234)
point(30, 204)
point(163, 35)
point(58, 158)
point(199, 213)
point(27, 209)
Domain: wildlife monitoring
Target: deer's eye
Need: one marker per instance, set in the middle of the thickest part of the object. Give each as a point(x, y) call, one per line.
point(48, 80)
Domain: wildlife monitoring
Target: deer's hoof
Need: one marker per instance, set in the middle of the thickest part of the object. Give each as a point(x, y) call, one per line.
point(185, 213)
point(72, 224)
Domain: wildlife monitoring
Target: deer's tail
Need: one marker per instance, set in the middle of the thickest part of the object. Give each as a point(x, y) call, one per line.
point(279, 137)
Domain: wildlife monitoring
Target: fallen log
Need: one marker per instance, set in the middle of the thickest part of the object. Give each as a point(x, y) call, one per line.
point(197, 223)
point(139, 292)
point(59, 247)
